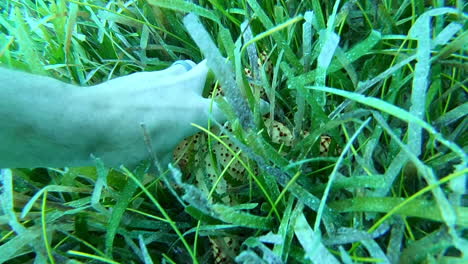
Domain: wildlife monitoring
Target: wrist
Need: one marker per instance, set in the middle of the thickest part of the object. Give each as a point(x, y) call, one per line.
point(111, 120)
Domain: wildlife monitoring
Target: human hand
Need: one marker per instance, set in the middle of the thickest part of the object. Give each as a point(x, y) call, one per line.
point(166, 102)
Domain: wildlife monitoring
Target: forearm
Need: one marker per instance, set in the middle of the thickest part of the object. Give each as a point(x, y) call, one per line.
point(42, 124)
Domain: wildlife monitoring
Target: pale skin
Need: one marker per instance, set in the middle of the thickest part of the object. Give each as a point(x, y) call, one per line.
point(49, 123)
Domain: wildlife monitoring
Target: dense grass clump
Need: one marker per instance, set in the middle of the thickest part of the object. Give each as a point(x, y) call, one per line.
point(360, 157)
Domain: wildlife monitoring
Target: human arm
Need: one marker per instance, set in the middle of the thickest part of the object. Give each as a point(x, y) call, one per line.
point(48, 123)
point(41, 123)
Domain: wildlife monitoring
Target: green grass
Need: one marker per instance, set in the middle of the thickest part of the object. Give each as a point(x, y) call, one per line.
point(386, 80)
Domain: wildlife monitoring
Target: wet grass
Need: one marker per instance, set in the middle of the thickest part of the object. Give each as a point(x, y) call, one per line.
point(385, 81)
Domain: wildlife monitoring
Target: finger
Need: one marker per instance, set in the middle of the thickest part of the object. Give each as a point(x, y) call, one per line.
point(176, 69)
point(187, 64)
point(179, 67)
point(196, 77)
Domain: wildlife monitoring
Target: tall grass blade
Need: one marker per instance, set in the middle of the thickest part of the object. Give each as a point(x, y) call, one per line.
point(26, 44)
point(185, 6)
point(397, 112)
point(421, 32)
point(330, 42)
point(311, 242)
point(222, 69)
point(332, 176)
point(280, 40)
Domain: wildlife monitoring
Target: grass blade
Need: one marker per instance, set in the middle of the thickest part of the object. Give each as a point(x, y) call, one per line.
point(184, 6)
point(405, 207)
point(289, 54)
point(310, 241)
point(221, 68)
point(421, 32)
point(333, 175)
point(397, 112)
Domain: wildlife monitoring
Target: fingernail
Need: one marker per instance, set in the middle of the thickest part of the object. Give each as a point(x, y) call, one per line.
point(188, 65)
